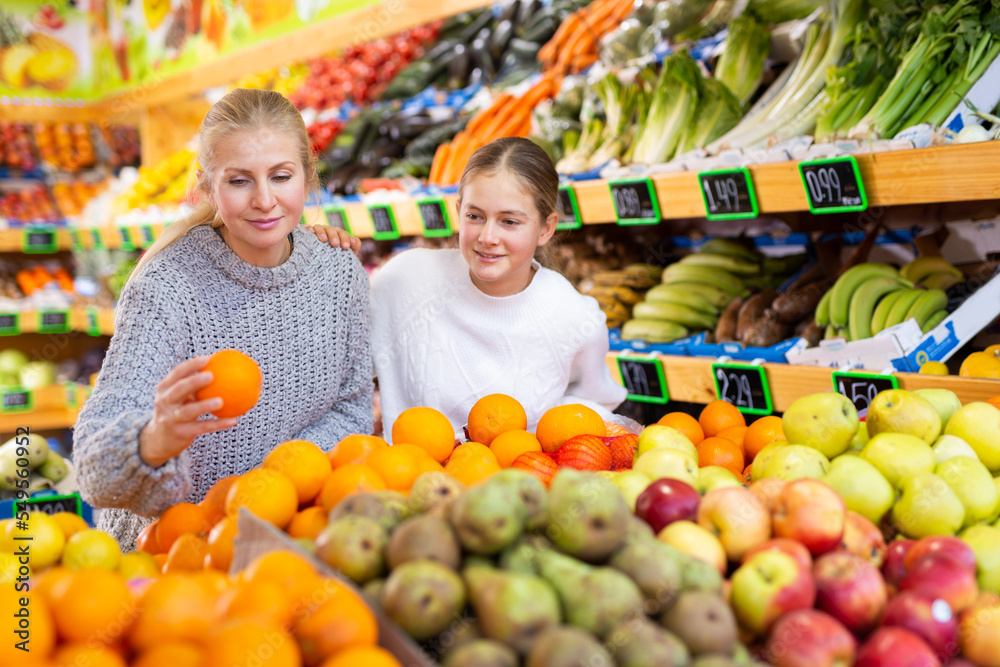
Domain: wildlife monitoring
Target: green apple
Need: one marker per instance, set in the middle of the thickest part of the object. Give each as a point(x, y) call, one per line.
point(768, 585)
point(898, 456)
point(666, 462)
point(979, 425)
point(927, 506)
point(949, 446)
point(716, 477)
point(864, 489)
point(795, 462)
point(860, 438)
point(631, 483)
point(985, 543)
point(656, 436)
point(974, 486)
point(944, 401)
point(901, 411)
point(763, 456)
point(826, 422)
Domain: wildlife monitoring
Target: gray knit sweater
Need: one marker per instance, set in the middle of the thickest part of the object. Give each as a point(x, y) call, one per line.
point(305, 322)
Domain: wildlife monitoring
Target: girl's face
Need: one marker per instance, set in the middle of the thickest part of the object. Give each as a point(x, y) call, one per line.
point(259, 190)
point(499, 231)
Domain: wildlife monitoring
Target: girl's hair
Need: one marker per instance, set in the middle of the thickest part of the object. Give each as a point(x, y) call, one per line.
point(240, 110)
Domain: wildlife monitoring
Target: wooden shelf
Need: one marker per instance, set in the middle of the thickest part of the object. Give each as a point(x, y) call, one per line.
point(53, 410)
point(689, 379)
point(79, 321)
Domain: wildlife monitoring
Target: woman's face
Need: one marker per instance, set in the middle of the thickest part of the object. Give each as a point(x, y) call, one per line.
point(499, 230)
point(259, 189)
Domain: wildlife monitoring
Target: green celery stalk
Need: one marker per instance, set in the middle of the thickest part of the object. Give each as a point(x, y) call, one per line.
point(741, 64)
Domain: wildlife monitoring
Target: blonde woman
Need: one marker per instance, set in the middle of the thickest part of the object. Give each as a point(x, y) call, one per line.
point(240, 272)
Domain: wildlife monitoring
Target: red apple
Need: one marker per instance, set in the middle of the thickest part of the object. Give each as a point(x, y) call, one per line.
point(959, 662)
point(737, 517)
point(790, 547)
point(932, 620)
point(863, 538)
point(850, 589)
point(665, 501)
point(811, 512)
point(942, 576)
point(948, 544)
point(895, 647)
point(979, 629)
point(767, 586)
point(894, 567)
point(809, 638)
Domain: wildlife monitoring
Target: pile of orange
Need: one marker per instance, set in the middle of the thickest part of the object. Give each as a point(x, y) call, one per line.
point(279, 612)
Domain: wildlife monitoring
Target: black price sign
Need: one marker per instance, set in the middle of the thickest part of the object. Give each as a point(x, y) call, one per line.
point(53, 321)
point(434, 217)
point(148, 237)
point(862, 388)
point(93, 322)
point(833, 185)
point(10, 324)
point(16, 399)
point(745, 386)
point(568, 209)
point(336, 217)
point(98, 238)
point(50, 504)
point(126, 237)
point(643, 379)
point(728, 194)
point(635, 202)
point(39, 241)
point(384, 223)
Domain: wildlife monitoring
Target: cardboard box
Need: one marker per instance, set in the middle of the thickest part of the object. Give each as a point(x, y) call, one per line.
point(872, 354)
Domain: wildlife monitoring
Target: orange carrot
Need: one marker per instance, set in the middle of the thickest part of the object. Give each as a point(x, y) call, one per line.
point(583, 61)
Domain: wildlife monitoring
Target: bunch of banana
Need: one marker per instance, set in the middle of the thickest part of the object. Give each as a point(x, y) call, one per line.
point(933, 273)
point(618, 291)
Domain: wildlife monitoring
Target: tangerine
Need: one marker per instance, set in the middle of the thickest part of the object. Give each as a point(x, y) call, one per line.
point(42, 629)
point(735, 434)
point(509, 445)
point(261, 601)
point(270, 495)
point(69, 523)
point(214, 502)
point(243, 642)
point(302, 462)
point(220, 544)
point(174, 607)
point(92, 605)
point(472, 463)
point(563, 422)
point(426, 428)
point(236, 379)
point(340, 622)
point(181, 519)
point(369, 656)
point(493, 415)
point(187, 554)
point(718, 451)
point(761, 433)
point(290, 571)
point(171, 654)
point(346, 480)
point(719, 415)
point(399, 467)
point(354, 449)
point(75, 654)
point(686, 424)
point(148, 539)
point(307, 523)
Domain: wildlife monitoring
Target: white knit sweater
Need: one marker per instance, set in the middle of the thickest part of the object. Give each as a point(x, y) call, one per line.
point(304, 322)
point(438, 341)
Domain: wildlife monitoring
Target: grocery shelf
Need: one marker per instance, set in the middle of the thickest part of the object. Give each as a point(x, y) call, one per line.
point(81, 319)
point(56, 407)
point(689, 379)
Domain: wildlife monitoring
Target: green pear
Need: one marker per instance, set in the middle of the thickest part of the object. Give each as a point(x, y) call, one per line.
point(655, 436)
point(979, 425)
point(901, 411)
point(795, 462)
point(927, 506)
point(985, 543)
point(864, 489)
point(945, 401)
point(715, 477)
point(974, 486)
point(666, 462)
point(764, 457)
point(860, 438)
point(826, 422)
point(898, 456)
point(949, 446)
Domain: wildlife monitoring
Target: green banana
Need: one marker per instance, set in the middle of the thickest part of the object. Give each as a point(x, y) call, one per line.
point(716, 296)
point(822, 315)
point(672, 312)
point(863, 303)
point(653, 331)
point(785, 265)
point(922, 267)
point(881, 313)
point(734, 265)
point(941, 280)
point(677, 294)
point(685, 273)
point(928, 303)
point(832, 332)
point(730, 248)
point(934, 320)
point(848, 283)
point(897, 313)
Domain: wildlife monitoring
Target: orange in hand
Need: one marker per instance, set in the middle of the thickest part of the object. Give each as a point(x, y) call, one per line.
point(563, 422)
point(236, 379)
point(718, 416)
point(493, 415)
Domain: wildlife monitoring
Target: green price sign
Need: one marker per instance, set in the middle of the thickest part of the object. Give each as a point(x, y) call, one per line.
point(434, 217)
point(644, 380)
point(833, 185)
point(16, 399)
point(10, 324)
point(37, 241)
point(336, 216)
point(383, 222)
point(53, 321)
point(50, 504)
point(568, 209)
point(728, 194)
point(93, 321)
point(126, 238)
point(862, 388)
point(635, 201)
point(745, 386)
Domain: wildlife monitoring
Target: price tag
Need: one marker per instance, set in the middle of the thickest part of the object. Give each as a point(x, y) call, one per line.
point(745, 386)
point(862, 388)
point(97, 237)
point(568, 209)
point(384, 223)
point(635, 202)
point(39, 241)
point(644, 380)
point(434, 217)
point(728, 194)
point(53, 321)
point(833, 185)
point(147, 235)
point(51, 504)
point(16, 399)
point(336, 216)
point(126, 238)
point(10, 324)
point(93, 326)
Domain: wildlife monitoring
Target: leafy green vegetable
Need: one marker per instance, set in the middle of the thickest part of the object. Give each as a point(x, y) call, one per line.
point(718, 112)
point(779, 11)
point(741, 64)
point(674, 101)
